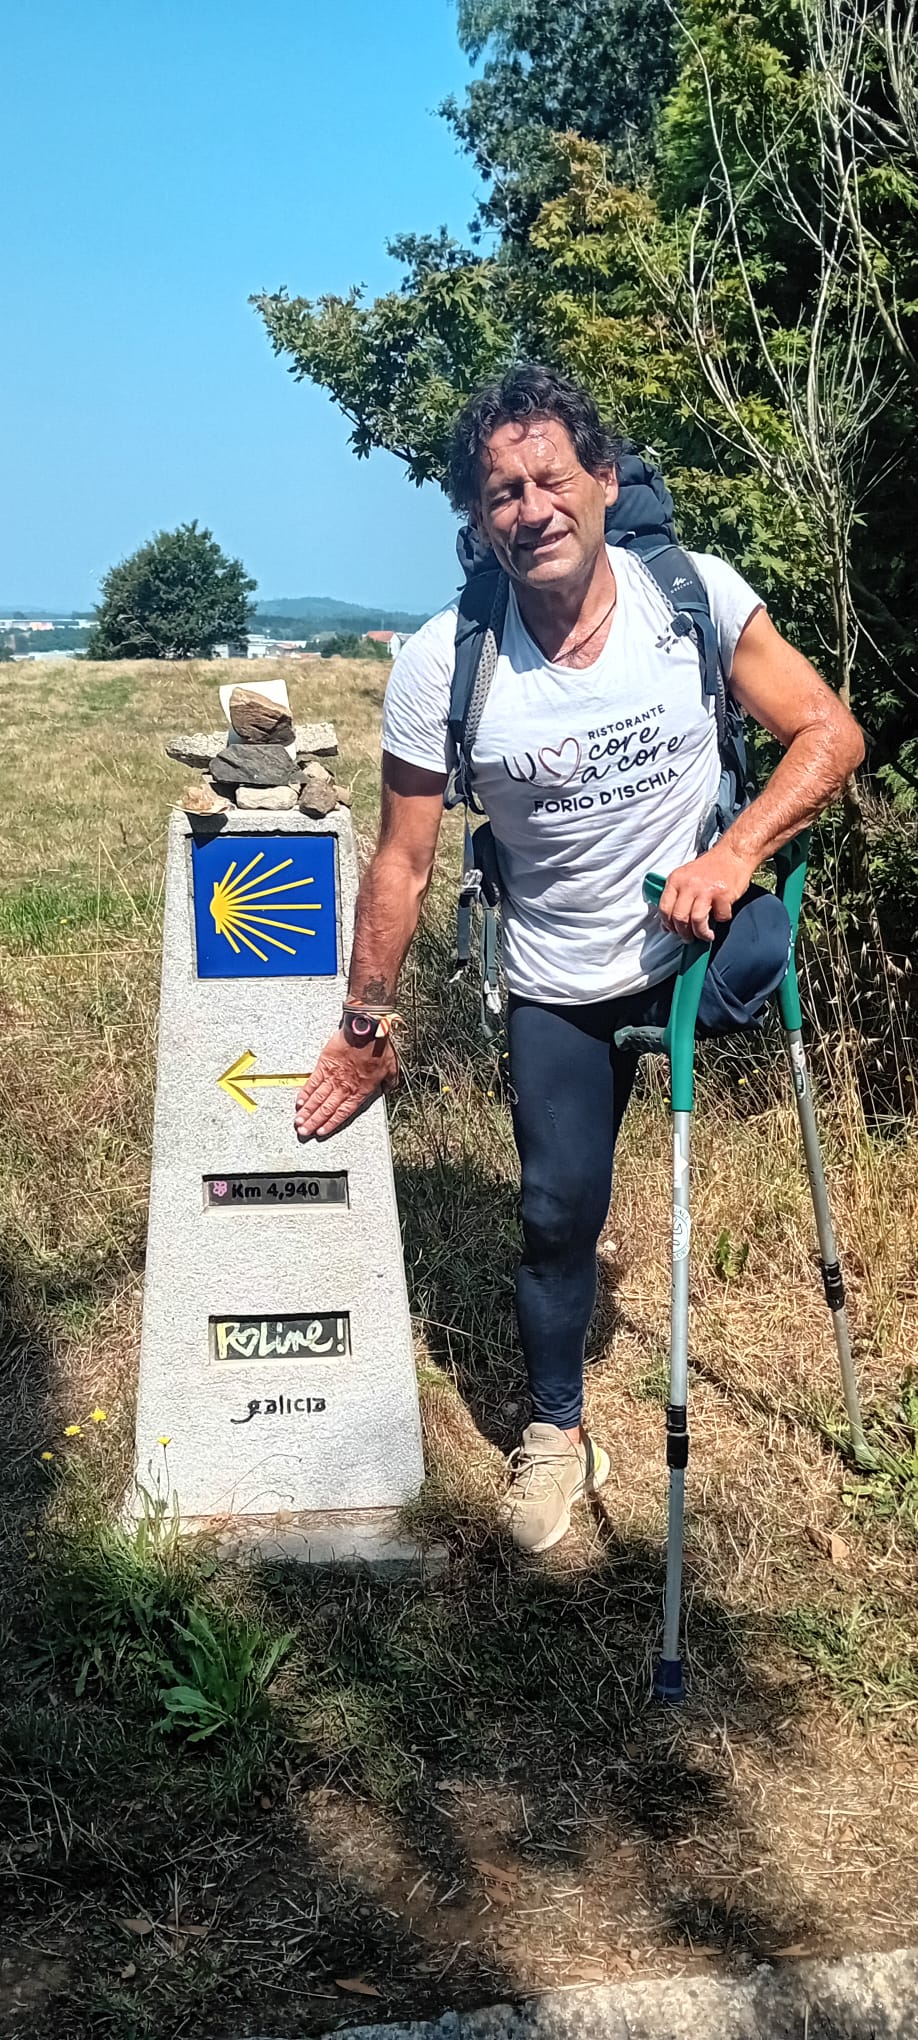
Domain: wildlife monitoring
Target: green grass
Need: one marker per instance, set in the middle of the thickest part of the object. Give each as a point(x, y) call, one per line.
point(887, 1492)
point(132, 1612)
point(652, 1385)
point(46, 915)
point(867, 1653)
point(102, 696)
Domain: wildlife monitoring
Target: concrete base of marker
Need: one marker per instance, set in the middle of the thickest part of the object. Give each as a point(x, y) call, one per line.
point(353, 1539)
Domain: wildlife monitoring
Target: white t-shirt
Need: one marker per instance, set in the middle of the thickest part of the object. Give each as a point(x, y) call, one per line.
point(590, 777)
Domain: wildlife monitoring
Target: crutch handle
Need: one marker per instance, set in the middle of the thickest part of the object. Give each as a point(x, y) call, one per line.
point(677, 1038)
point(790, 866)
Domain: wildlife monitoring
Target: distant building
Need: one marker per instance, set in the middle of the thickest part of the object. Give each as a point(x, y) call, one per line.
point(257, 646)
point(392, 639)
point(235, 648)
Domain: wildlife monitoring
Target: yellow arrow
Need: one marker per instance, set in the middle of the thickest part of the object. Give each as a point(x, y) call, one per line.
point(238, 1079)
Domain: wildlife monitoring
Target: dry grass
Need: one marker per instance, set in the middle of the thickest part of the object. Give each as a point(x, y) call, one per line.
point(465, 1793)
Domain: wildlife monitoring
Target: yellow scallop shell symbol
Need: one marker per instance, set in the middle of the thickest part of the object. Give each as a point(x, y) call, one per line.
point(245, 907)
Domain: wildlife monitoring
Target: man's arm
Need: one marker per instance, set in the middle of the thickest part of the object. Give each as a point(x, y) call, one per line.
point(389, 903)
point(823, 746)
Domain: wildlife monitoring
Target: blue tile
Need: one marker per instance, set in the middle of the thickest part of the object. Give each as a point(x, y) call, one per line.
point(265, 906)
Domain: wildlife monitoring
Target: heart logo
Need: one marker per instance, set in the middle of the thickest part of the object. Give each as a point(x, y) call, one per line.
point(563, 763)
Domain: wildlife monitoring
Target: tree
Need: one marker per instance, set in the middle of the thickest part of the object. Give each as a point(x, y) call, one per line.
point(175, 598)
point(552, 67)
point(792, 151)
point(746, 309)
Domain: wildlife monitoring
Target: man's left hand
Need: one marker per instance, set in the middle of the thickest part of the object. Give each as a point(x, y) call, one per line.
point(704, 891)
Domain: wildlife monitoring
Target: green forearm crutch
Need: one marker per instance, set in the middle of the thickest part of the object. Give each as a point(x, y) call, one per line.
point(677, 1040)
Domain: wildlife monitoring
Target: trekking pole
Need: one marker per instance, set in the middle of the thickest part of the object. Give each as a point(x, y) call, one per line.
point(790, 864)
point(677, 1040)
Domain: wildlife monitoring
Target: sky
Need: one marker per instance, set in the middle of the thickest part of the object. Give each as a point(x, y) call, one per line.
point(163, 160)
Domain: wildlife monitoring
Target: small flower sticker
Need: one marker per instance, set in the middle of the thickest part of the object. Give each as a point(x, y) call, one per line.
point(99, 1416)
point(73, 1430)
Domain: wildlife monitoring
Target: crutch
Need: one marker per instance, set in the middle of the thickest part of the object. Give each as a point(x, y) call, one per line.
point(790, 865)
point(677, 1040)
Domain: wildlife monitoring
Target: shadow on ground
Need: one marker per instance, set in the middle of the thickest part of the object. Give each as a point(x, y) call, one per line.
point(462, 1244)
point(465, 1794)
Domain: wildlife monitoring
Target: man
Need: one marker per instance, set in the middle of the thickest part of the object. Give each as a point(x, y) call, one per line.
point(596, 760)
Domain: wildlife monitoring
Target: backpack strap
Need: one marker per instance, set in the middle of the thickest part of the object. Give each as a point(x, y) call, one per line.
point(683, 590)
point(479, 630)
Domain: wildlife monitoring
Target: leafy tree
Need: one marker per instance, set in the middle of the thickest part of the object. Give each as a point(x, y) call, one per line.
point(175, 598)
point(695, 301)
point(554, 66)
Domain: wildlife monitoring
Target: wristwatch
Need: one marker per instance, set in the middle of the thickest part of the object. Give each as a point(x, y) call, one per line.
point(359, 1029)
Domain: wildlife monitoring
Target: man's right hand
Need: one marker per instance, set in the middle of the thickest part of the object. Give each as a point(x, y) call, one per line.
point(344, 1080)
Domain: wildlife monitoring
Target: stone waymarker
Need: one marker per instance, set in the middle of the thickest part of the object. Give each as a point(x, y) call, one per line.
point(276, 1354)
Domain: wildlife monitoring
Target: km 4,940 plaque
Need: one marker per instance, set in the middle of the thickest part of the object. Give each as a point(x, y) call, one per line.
point(234, 1193)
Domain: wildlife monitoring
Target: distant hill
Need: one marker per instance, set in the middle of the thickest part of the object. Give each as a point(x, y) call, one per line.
point(303, 616)
point(53, 611)
point(314, 613)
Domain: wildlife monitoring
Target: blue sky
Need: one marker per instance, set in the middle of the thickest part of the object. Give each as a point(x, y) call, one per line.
point(161, 161)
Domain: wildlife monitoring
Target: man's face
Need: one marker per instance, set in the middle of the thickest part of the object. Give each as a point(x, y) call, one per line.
point(541, 511)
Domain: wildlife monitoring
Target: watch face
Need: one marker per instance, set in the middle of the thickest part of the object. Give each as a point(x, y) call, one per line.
point(360, 1028)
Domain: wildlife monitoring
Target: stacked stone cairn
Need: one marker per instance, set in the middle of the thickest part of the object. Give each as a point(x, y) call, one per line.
point(273, 764)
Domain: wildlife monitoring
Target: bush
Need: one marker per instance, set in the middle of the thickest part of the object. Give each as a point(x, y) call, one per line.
point(175, 598)
point(347, 645)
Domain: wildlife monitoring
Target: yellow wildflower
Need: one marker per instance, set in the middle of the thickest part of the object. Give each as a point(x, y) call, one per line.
point(164, 1441)
point(73, 1431)
point(99, 1416)
point(47, 1455)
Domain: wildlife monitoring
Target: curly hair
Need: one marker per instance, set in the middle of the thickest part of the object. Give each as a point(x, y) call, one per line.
point(529, 390)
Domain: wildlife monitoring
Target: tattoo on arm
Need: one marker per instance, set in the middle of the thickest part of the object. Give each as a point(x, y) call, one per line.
point(375, 989)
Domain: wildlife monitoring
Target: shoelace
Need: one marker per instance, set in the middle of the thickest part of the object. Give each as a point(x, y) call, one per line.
point(524, 1465)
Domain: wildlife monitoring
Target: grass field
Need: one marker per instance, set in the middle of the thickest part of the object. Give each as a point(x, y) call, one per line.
point(413, 1796)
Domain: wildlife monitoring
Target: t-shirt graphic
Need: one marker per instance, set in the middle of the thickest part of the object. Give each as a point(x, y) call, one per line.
point(590, 778)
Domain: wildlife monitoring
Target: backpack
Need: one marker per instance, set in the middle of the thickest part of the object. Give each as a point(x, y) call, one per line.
point(642, 520)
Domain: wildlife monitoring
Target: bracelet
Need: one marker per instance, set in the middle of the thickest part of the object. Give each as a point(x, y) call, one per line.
point(371, 1012)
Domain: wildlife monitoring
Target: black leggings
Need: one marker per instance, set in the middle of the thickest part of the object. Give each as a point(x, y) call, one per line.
point(570, 1087)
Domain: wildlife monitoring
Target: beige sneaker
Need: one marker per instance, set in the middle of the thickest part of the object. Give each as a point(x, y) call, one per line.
point(548, 1475)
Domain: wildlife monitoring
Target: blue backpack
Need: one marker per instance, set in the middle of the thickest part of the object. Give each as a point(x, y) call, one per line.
point(642, 520)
